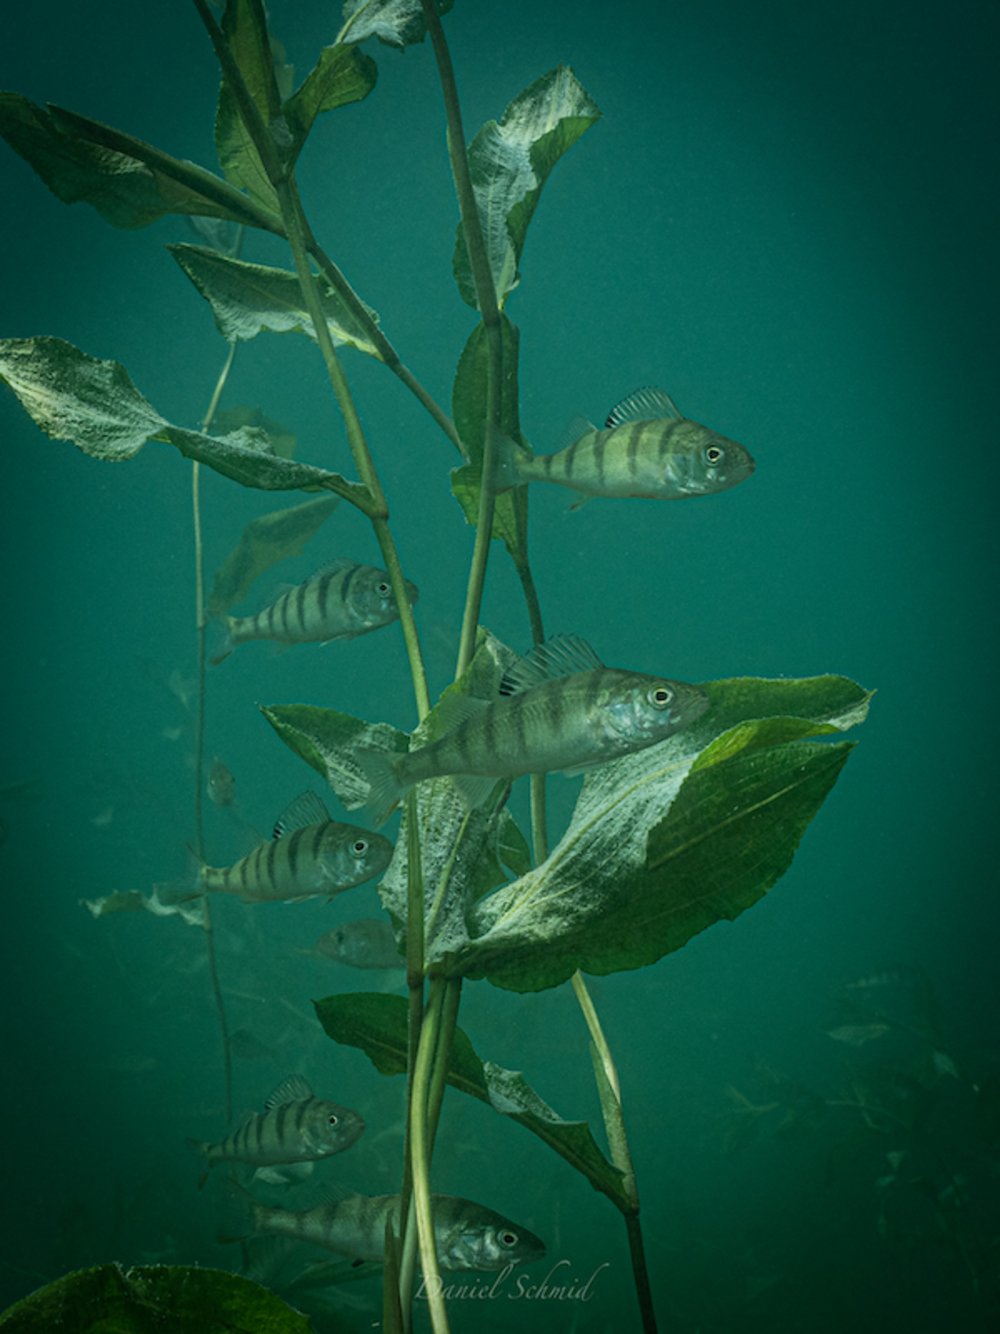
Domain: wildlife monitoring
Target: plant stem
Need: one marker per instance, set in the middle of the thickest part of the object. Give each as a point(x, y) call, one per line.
point(486, 298)
point(427, 1054)
point(609, 1091)
point(199, 736)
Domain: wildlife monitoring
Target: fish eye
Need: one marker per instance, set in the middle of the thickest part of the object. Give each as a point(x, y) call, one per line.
point(714, 454)
point(359, 847)
point(383, 589)
point(507, 1238)
point(333, 1119)
point(660, 697)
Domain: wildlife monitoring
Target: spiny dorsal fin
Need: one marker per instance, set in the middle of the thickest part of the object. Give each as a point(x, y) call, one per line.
point(292, 1089)
point(646, 404)
point(305, 809)
point(562, 655)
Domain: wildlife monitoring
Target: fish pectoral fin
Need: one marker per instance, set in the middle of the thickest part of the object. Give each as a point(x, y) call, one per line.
point(579, 504)
point(305, 809)
point(293, 1089)
point(474, 789)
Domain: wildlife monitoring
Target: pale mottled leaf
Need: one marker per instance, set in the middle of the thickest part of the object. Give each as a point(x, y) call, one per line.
point(396, 22)
point(510, 161)
point(247, 299)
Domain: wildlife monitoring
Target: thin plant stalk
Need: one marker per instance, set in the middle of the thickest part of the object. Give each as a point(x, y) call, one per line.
point(199, 735)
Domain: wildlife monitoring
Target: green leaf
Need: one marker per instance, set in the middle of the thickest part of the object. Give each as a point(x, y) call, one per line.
point(510, 162)
point(150, 1298)
point(129, 182)
point(95, 405)
point(249, 298)
point(469, 406)
point(396, 22)
point(459, 852)
point(327, 740)
point(377, 1024)
point(665, 842)
point(245, 31)
point(342, 75)
point(265, 541)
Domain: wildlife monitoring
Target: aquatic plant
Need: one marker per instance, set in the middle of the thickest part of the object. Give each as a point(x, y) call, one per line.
point(664, 840)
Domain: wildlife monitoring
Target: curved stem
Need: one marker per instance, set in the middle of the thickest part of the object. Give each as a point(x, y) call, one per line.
point(420, 1152)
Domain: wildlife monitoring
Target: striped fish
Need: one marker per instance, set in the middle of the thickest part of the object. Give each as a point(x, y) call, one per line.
point(467, 1235)
point(309, 855)
point(646, 448)
point(294, 1127)
point(340, 601)
point(560, 709)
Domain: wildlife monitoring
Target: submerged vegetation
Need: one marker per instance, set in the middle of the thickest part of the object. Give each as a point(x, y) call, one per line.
point(695, 797)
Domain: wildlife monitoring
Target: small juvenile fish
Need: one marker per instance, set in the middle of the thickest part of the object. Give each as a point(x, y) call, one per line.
point(309, 855)
point(467, 1235)
point(294, 1127)
point(561, 709)
point(368, 943)
point(340, 601)
point(221, 784)
point(646, 448)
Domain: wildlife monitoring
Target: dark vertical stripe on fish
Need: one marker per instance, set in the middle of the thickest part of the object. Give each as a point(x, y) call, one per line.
point(569, 459)
point(600, 446)
point(280, 1116)
point(348, 579)
point(273, 851)
point(323, 595)
point(293, 839)
point(300, 606)
point(632, 450)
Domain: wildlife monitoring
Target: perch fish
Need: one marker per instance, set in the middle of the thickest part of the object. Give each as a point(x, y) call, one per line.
point(309, 855)
point(294, 1127)
point(467, 1235)
point(560, 709)
point(645, 449)
point(368, 943)
point(341, 601)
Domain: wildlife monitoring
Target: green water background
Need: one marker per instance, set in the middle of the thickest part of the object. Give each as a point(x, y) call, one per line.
point(787, 218)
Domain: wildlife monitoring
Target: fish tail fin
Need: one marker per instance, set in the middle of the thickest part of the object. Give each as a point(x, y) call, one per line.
point(238, 1212)
point(378, 768)
point(507, 466)
point(225, 643)
point(172, 893)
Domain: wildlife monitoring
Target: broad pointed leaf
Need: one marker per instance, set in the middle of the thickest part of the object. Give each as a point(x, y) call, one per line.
point(244, 28)
point(396, 22)
point(377, 1024)
point(342, 75)
point(469, 408)
point(327, 740)
point(249, 298)
point(665, 842)
point(111, 1299)
point(265, 541)
point(129, 182)
point(510, 162)
point(94, 404)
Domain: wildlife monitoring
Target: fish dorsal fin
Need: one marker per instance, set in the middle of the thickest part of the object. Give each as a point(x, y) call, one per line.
point(562, 655)
point(304, 810)
point(575, 429)
point(332, 566)
point(646, 404)
point(293, 1089)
